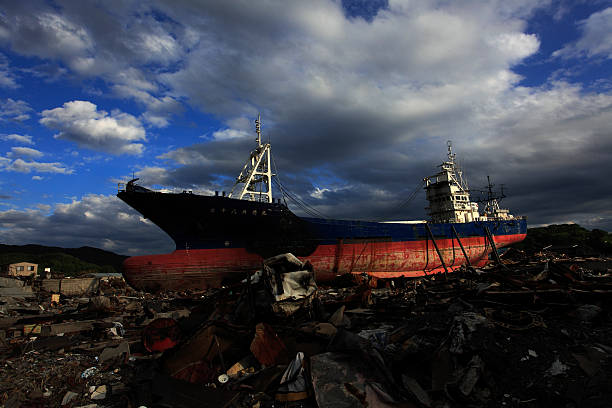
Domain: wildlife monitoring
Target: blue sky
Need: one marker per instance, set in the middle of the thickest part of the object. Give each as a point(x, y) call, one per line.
point(358, 98)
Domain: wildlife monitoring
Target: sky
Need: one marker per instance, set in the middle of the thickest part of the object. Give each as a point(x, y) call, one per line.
point(358, 99)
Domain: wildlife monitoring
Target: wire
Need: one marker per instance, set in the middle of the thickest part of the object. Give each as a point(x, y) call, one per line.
point(310, 210)
point(301, 204)
point(404, 203)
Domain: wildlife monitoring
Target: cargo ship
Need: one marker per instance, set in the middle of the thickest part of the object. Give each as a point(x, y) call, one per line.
point(221, 238)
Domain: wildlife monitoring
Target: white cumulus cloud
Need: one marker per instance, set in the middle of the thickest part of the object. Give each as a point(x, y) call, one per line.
point(82, 123)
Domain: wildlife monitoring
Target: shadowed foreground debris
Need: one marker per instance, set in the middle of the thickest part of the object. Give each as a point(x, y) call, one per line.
point(533, 332)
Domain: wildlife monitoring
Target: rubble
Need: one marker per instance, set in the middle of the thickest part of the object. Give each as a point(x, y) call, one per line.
point(534, 332)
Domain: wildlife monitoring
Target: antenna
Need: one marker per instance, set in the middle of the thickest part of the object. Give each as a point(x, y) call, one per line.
point(258, 130)
point(451, 156)
point(489, 189)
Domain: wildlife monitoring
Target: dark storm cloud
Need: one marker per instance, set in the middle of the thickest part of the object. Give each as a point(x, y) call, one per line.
point(95, 220)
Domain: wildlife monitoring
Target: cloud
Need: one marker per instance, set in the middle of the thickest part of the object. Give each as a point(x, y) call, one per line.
point(45, 34)
point(94, 220)
point(38, 178)
point(124, 45)
point(595, 39)
point(152, 175)
point(81, 122)
point(159, 109)
point(17, 111)
point(7, 77)
point(50, 71)
point(21, 166)
point(230, 134)
point(24, 152)
point(25, 139)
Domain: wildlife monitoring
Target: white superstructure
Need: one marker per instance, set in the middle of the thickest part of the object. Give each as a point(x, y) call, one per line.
point(448, 194)
point(449, 197)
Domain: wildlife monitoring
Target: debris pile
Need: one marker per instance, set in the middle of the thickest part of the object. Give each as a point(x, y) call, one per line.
point(531, 332)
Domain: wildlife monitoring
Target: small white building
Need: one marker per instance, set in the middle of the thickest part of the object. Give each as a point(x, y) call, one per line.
point(20, 269)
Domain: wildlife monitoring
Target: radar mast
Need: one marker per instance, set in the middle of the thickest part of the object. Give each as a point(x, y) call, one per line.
point(255, 179)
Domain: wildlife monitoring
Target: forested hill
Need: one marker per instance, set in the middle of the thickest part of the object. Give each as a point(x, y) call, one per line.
point(70, 261)
point(597, 240)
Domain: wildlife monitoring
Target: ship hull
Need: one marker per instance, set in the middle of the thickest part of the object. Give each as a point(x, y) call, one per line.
point(220, 240)
point(211, 268)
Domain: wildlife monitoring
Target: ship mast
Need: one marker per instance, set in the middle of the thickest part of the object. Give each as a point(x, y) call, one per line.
point(256, 175)
point(492, 210)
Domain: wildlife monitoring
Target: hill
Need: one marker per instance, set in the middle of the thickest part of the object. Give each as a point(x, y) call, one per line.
point(70, 261)
point(567, 235)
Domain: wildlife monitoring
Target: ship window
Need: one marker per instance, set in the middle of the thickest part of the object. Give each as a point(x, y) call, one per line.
point(223, 210)
point(234, 211)
point(254, 212)
point(243, 212)
point(263, 212)
point(212, 210)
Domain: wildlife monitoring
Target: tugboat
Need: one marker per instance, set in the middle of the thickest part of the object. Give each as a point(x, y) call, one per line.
point(222, 238)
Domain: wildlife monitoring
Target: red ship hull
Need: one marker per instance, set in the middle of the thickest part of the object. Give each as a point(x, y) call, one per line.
point(209, 268)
